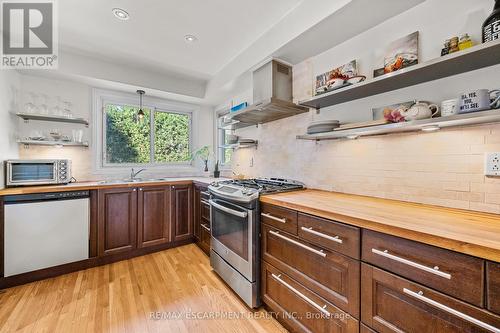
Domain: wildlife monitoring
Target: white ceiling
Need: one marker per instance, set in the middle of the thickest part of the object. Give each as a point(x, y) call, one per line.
point(153, 37)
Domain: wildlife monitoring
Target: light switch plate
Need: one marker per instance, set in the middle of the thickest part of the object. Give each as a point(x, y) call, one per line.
point(492, 164)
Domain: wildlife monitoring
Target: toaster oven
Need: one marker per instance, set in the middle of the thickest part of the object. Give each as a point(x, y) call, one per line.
point(37, 172)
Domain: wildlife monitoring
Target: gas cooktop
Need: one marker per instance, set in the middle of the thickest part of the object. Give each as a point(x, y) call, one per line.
point(245, 190)
point(266, 185)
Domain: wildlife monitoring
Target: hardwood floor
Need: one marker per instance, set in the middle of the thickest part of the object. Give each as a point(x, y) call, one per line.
point(135, 295)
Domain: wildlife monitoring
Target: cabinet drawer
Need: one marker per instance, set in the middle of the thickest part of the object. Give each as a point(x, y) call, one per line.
point(300, 308)
point(205, 210)
point(279, 217)
point(331, 275)
point(493, 286)
point(393, 304)
point(365, 329)
point(455, 274)
point(205, 237)
point(329, 234)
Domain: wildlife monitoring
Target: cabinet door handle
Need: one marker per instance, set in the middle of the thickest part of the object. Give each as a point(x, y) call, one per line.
point(420, 296)
point(434, 270)
point(322, 309)
point(204, 226)
point(269, 216)
point(308, 248)
point(320, 234)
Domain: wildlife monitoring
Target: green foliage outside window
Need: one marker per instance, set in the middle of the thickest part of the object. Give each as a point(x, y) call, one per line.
point(128, 139)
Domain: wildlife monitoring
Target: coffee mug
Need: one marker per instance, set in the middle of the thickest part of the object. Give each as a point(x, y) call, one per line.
point(449, 107)
point(478, 100)
point(495, 99)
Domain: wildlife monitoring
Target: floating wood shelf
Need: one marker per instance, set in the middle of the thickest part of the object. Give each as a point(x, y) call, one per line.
point(477, 57)
point(474, 118)
point(53, 143)
point(59, 119)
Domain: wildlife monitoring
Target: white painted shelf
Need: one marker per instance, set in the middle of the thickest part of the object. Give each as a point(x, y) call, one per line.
point(41, 117)
point(239, 145)
point(477, 57)
point(53, 143)
point(474, 118)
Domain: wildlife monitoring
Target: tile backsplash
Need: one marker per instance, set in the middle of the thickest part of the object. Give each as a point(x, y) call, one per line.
point(443, 168)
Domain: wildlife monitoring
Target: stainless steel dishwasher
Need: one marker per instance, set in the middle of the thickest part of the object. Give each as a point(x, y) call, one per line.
point(45, 230)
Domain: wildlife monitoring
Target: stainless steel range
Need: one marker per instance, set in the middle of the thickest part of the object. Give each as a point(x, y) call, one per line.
point(235, 225)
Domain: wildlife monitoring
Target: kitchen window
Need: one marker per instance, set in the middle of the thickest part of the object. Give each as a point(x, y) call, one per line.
point(162, 136)
point(224, 154)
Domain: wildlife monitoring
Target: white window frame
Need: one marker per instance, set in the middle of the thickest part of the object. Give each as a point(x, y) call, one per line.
point(220, 140)
point(101, 98)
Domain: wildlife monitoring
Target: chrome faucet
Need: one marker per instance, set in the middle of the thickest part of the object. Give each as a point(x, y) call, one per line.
point(134, 174)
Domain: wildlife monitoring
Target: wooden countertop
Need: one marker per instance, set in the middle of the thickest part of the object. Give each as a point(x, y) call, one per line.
point(100, 185)
point(473, 233)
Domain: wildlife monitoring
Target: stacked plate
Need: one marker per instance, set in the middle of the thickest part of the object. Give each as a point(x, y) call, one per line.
point(322, 126)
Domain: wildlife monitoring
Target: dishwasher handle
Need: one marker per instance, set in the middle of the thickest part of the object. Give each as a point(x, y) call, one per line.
point(38, 197)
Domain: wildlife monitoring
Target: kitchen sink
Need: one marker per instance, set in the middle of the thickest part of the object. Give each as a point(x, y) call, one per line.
point(136, 180)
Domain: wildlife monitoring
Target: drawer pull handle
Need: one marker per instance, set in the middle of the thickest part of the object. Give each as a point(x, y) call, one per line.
point(203, 201)
point(204, 226)
point(308, 248)
point(320, 234)
point(204, 193)
point(434, 270)
point(322, 309)
point(269, 216)
point(420, 296)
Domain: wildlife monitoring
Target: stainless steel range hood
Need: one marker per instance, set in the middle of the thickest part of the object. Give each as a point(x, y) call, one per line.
point(272, 95)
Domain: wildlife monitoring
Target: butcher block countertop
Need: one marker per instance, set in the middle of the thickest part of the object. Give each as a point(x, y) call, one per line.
point(82, 186)
point(473, 233)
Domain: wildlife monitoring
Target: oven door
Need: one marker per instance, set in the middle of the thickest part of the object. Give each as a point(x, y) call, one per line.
point(233, 232)
point(31, 172)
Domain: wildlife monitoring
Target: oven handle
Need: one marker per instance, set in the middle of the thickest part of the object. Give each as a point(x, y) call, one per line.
point(228, 210)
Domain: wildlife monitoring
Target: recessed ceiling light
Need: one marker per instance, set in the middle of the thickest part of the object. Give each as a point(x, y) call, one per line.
point(190, 38)
point(120, 14)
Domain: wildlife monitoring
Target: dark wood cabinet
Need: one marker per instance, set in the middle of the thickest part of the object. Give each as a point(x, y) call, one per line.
point(279, 217)
point(299, 308)
point(197, 213)
point(452, 273)
point(330, 234)
point(201, 217)
point(493, 286)
point(153, 216)
point(182, 212)
point(393, 304)
point(331, 275)
point(117, 220)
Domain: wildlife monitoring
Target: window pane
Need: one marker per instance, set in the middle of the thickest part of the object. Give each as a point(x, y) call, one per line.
point(171, 137)
point(227, 156)
point(127, 138)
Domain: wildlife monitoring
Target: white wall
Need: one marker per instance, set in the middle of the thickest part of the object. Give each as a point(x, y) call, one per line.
point(443, 168)
point(80, 95)
point(9, 99)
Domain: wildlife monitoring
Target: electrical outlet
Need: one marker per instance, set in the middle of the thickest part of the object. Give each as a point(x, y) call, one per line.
point(251, 162)
point(492, 164)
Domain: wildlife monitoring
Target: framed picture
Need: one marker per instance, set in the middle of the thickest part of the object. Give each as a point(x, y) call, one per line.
point(399, 54)
point(335, 78)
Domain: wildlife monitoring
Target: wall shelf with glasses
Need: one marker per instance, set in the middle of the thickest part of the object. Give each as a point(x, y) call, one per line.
point(41, 117)
point(476, 57)
point(432, 124)
point(53, 143)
